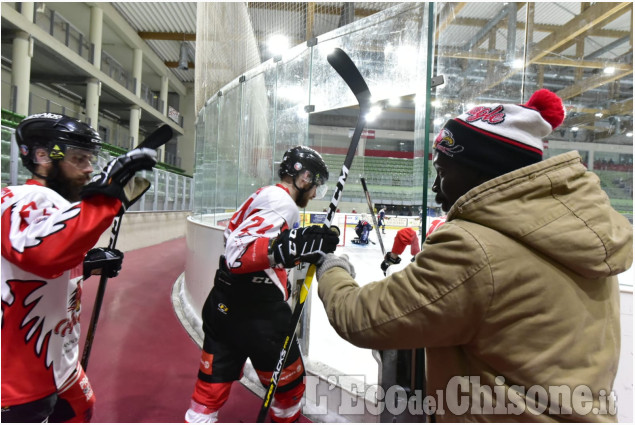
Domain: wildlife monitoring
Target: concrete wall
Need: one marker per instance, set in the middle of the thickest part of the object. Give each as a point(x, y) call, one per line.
point(142, 229)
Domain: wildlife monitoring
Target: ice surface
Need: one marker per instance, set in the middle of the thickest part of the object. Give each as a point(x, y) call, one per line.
point(325, 345)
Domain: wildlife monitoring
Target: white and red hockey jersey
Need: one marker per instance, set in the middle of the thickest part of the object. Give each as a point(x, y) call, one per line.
point(269, 211)
point(44, 241)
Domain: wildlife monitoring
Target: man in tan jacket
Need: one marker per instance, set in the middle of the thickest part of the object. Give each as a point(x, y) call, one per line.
point(515, 297)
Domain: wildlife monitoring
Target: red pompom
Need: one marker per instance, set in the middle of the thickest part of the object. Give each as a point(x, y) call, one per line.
point(549, 105)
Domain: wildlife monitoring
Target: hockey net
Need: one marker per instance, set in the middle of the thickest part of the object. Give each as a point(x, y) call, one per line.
point(340, 221)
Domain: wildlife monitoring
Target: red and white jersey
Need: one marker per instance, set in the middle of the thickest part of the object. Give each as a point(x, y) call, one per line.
point(44, 241)
point(269, 211)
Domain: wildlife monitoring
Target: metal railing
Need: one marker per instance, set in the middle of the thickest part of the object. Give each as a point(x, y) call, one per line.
point(169, 191)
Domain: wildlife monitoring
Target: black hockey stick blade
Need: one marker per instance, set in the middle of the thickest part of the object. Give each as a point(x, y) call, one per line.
point(344, 66)
point(158, 137)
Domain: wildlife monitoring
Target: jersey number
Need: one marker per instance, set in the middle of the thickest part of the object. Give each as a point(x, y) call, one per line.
point(257, 223)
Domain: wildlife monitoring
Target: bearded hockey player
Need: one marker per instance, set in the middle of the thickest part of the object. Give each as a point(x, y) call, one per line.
point(48, 226)
point(246, 314)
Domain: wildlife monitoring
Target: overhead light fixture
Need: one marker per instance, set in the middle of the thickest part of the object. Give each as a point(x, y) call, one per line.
point(183, 57)
point(278, 44)
point(609, 70)
point(599, 114)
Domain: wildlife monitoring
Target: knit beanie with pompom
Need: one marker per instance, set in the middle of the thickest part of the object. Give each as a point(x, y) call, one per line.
point(500, 138)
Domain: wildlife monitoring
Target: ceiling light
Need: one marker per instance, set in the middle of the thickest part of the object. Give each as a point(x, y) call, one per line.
point(599, 114)
point(375, 110)
point(518, 64)
point(609, 70)
point(407, 56)
point(278, 44)
point(372, 114)
point(575, 128)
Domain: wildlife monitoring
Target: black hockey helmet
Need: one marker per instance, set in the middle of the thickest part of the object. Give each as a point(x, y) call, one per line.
point(55, 133)
point(301, 158)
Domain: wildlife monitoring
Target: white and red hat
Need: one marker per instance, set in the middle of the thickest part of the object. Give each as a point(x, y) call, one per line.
point(500, 138)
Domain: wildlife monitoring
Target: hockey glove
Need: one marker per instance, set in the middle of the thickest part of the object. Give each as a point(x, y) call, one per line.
point(102, 261)
point(332, 260)
point(389, 260)
point(117, 179)
point(307, 244)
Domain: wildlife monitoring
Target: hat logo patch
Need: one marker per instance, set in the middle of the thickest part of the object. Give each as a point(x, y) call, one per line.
point(485, 114)
point(297, 166)
point(446, 144)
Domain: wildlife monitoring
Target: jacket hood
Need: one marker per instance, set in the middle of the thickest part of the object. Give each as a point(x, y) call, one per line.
point(557, 208)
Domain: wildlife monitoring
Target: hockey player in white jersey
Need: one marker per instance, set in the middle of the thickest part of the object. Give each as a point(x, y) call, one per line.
point(246, 314)
point(48, 226)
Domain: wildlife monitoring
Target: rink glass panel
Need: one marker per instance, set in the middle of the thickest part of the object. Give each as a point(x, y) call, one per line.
point(229, 132)
point(258, 127)
point(520, 57)
point(290, 100)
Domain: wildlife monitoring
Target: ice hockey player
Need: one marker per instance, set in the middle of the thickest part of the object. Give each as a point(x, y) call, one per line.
point(246, 314)
point(49, 224)
point(381, 219)
point(406, 237)
point(362, 229)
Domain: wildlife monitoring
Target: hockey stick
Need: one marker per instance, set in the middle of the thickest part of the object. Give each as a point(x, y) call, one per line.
point(372, 213)
point(345, 67)
point(156, 139)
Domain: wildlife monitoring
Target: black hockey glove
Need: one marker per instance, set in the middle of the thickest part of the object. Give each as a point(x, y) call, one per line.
point(102, 261)
point(117, 180)
point(389, 261)
point(306, 244)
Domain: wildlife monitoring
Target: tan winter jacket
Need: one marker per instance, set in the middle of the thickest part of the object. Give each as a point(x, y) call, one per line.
point(516, 292)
